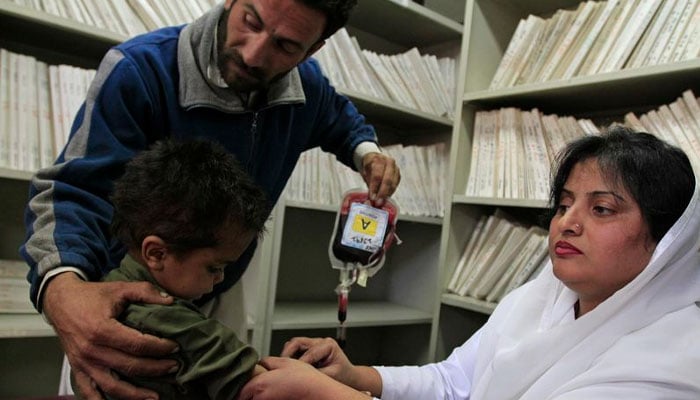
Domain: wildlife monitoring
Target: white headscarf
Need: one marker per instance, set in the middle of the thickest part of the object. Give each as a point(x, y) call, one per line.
point(644, 340)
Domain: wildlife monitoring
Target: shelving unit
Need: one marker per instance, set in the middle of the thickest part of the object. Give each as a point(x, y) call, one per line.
point(397, 306)
point(27, 335)
point(604, 97)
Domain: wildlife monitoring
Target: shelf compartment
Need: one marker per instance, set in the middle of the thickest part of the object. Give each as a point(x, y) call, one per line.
point(52, 38)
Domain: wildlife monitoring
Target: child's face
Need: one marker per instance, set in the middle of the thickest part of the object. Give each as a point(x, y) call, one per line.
point(195, 273)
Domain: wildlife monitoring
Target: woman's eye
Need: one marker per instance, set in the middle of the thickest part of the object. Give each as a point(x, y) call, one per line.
point(600, 210)
point(561, 208)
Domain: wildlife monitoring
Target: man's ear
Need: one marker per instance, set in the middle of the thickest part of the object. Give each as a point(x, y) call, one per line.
point(314, 48)
point(228, 4)
point(153, 252)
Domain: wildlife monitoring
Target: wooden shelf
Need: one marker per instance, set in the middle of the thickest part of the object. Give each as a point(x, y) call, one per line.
point(425, 27)
point(24, 325)
point(490, 201)
point(334, 209)
point(7, 173)
point(468, 303)
point(311, 315)
point(632, 87)
point(380, 111)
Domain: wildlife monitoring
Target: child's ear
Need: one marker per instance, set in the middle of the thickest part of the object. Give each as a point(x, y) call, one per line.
point(154, 251)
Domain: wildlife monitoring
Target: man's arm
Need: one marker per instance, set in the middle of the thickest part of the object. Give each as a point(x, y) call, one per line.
point(69, 213)
point(67, 222)
point(342, 130)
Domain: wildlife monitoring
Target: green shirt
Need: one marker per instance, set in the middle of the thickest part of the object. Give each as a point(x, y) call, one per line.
point(214, 364)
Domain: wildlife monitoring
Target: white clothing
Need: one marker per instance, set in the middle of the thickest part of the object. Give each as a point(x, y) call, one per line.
point(449, 379)
point(643, 342)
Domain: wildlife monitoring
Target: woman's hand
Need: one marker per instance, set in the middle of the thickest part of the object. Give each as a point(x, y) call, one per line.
point(327, 356)
point(322, 353)
point(288, 379)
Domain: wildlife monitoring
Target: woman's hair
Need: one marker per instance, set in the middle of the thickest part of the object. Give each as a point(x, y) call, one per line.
point(657, 175)
point(186, 193)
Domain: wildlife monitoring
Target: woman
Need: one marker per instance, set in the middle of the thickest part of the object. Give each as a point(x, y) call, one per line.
point(616, 313)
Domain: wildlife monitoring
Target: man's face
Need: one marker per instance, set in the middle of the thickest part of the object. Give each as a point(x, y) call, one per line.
point(261, 40)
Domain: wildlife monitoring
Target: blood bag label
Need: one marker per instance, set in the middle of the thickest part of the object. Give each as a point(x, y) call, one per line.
point(366, 227)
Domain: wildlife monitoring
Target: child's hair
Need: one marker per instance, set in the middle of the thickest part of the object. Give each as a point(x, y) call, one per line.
point(185, 192)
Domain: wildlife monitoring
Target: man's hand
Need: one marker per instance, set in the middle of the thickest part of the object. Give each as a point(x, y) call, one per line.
point(382, 176)
point(84, 314)
point(289, 379)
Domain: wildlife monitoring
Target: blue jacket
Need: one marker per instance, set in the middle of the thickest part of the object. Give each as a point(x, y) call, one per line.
point(157, 85)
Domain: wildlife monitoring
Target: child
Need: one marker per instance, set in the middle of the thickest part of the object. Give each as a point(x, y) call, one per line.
point(185, 210)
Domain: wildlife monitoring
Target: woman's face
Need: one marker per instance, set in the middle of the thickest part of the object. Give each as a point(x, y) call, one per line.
point(598, 240)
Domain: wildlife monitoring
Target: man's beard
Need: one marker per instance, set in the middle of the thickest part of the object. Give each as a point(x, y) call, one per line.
point(257, 82)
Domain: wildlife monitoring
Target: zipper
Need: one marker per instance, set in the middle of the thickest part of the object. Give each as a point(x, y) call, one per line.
point(253, 138)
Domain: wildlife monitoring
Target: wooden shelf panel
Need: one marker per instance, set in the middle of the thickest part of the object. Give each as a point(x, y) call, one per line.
point(468, 303)
point(7, 173)
point(490, 201)
point(424, 27)
point(396, 115)
point(334, 209)
point(634, 88)
point(312, 315)
point(24, 325)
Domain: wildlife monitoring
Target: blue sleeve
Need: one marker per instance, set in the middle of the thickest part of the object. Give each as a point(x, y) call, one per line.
point(339, 125)
point(69, 213)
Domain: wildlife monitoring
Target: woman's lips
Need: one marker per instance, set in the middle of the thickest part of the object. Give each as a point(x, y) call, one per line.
point(562, 248)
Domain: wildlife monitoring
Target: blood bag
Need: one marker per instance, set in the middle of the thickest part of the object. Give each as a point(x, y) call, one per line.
point(362, 235)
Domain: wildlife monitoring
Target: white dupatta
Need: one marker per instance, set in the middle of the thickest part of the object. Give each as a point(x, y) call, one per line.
point(625, 348)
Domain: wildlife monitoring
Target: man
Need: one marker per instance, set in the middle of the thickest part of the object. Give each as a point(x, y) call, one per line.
point(240, 75)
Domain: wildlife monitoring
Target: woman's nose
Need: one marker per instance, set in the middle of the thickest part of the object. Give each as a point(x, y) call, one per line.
point(570, 224)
